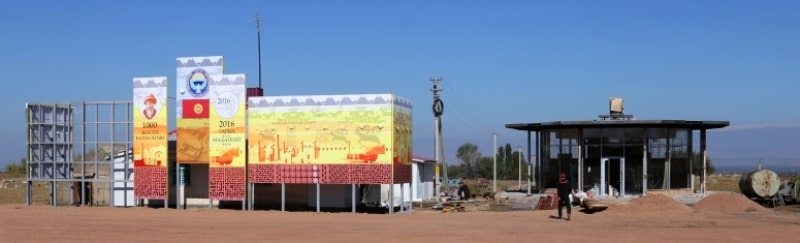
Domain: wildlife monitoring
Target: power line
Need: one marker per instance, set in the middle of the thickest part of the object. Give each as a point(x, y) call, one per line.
point(469, 117)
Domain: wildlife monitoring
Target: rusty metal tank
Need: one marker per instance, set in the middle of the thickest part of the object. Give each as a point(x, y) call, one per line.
point(760, 183)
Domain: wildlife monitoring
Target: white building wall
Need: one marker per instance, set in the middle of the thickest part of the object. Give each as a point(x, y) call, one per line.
point(422, 181)
point(123, 170)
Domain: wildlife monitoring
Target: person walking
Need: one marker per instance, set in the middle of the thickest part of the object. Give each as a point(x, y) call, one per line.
point(564, 191)
point(463, 191)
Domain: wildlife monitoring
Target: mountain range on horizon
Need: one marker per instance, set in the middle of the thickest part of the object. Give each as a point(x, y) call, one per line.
point(739, 149)
point(731, 149)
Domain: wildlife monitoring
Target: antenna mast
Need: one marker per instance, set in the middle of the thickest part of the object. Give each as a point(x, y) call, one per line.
point(258, 29)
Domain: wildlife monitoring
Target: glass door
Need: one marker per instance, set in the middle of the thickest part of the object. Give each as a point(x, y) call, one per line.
point(611, 182)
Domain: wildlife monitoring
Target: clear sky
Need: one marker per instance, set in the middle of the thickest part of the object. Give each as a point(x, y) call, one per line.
point(502, 61)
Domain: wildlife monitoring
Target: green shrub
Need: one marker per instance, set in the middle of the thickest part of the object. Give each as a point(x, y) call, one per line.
point(16, 168)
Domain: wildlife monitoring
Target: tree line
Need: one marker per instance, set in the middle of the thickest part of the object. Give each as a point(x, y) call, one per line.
point(472, 163)
point(17, 168)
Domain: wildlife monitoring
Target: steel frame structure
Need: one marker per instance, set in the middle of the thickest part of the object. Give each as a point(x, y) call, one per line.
point(92, 132)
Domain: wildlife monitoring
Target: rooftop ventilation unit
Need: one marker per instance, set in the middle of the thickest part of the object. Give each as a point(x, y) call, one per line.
point(615, 110)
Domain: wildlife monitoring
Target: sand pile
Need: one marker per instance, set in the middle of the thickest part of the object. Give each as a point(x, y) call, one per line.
point(728, 202)
point(650, 203)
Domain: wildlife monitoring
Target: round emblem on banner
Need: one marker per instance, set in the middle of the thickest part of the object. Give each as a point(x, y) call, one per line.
point(226, 105)
point(150, 106)
point(198, 109)
point(438, 107)
point(197, 83)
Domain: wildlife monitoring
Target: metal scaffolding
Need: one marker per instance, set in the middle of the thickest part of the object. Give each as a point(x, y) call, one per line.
point(80, 152)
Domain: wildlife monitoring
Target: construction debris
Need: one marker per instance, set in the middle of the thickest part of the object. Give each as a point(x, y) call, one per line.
point(454, 206)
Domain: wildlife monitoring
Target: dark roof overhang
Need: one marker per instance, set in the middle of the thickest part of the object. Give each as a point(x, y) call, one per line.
point(694, 125)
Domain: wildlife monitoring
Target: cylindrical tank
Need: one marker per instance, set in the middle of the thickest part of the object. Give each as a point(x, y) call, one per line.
point(760, 183)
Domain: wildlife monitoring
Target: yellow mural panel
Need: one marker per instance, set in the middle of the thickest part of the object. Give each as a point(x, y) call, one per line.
point(150, 122)
point(227, 121)
point(192, 141)
point(326, 129)
point(403, 135)
point(150, 153)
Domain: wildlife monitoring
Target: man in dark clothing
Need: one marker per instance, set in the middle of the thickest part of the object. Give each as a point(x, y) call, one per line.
point(564, 191)
point(463, 191)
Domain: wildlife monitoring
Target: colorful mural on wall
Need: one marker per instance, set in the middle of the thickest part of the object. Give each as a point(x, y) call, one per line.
point(337, 139)
point(327, 139)
point(227, 151)
point(194, 76)
point(150, 137)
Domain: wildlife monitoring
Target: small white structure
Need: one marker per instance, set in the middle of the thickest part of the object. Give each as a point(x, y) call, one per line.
point(420, 189)
point(422, 176)
point(123, 179)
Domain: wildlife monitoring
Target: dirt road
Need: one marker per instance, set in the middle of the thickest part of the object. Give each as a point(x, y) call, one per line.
point(22, 223)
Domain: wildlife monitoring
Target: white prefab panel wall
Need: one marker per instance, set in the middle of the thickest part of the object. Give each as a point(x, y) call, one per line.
point(422, 181)
point(49, 140)
point(123, 179)
point(123, 196)
point(416, 182)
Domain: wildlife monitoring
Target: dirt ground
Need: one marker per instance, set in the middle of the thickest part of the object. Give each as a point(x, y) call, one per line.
point(650, 218)
point(720, 217)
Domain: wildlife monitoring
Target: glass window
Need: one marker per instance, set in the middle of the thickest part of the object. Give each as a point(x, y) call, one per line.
point(656, 158)
point(634, 136)
point(592, 151)
point(569, 142)
point(680, 167)
point(633, 169)
point(679, 143)
point(560, 153)
point(679, 171)
point(592, 136)
point(613, 136)
point(574, 150)
point(553, 152)
point(655, 174)
point(613, 151)
point(657, 142)
point(551, 137)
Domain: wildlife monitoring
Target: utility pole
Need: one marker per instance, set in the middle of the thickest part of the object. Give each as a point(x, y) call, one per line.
point(438, 110)
point(519, 168)
point(494, 156)
point(703, 150)
point(258, 29)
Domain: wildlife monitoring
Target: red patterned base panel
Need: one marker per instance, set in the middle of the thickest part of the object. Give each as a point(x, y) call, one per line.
point(402, 173)
point(151, 183)
point(328, 174)
point(226, 183)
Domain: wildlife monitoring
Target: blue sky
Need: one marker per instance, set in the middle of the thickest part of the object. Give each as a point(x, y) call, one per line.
point(502, 61)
